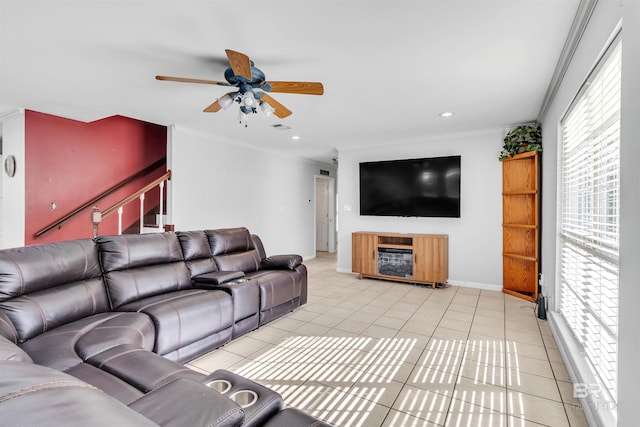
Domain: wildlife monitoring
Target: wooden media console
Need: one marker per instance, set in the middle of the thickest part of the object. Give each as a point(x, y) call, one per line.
point(412, 258)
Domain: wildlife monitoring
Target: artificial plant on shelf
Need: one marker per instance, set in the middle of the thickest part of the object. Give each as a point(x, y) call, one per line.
point(521, 139)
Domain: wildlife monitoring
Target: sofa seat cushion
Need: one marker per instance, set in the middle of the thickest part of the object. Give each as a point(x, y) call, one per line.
point(184, 317)
point(277, 287)
point(35, 395)
point(71, 344)
point(199, 348)
point(133, 329)
point(142, 369)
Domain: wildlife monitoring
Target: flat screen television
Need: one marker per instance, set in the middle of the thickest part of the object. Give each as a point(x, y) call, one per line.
point(428, 187)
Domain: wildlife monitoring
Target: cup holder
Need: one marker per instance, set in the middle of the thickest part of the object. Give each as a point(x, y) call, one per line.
point(221, 386)
point(244, 398)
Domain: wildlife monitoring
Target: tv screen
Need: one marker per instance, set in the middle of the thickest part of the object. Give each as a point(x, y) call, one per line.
point(428, 187)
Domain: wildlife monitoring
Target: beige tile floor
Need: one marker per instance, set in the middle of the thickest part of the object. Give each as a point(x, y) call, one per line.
point(376, 353)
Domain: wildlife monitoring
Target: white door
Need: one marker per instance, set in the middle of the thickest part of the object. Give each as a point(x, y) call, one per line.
point(1, 178)
point(322, 215)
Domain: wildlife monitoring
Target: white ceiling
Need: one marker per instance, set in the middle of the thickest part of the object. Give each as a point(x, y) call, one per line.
point(388, 67)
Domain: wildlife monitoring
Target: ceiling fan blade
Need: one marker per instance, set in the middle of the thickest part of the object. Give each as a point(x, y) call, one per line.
point(280, 110)
point(190, 80)
point(240, 64)
point(307, 88)
point(213, 108)
point(227, 99)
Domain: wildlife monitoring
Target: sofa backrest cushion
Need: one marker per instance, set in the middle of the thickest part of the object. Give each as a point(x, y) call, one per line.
point(30, 269)
point(138, 250)
point(229, 240)
point(196, 252)
point(233, 249)
point(257, 243)
point(246, 262)
point(47, 285)
point(137, 266)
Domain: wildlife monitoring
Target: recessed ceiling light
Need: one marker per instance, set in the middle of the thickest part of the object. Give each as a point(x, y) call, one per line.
point(296, 137)
point(447, 114)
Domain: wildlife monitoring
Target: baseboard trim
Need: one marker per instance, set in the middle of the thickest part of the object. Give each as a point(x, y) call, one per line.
point(475, 285)
point(464, 284)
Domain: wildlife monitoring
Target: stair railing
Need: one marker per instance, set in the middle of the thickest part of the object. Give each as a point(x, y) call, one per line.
point(139, 195)
point(68, 217)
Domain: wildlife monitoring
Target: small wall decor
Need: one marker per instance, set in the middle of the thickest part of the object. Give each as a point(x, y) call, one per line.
point(10, 166)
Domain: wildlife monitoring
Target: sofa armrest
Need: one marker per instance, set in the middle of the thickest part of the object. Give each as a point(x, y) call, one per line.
point(217, 277)
point(10, 351)
point(185, 402)
point(7, 329)
point(279, 262)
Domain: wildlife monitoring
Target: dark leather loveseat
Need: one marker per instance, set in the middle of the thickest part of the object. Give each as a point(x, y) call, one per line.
point(94, 332)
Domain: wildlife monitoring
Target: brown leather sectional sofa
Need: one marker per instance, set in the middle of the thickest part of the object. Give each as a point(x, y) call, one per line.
point(95, 332)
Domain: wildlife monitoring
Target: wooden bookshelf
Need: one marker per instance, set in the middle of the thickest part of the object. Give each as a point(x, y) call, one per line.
point(520, 225)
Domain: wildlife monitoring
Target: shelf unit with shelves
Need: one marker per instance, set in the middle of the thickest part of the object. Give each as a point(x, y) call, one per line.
point(520, 225)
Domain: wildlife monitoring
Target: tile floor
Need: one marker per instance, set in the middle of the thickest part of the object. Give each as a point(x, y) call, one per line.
point(376, 353)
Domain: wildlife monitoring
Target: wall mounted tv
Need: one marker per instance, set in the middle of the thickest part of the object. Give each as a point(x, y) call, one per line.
point(428, 187)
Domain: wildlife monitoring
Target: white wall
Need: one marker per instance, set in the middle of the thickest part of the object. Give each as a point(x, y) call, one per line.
point(13, 189)
point(629, 315)
point(216, 184)
point(605, 19)
point(475, 239)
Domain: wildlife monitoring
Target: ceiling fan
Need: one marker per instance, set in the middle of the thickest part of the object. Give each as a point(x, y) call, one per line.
point(251, 88)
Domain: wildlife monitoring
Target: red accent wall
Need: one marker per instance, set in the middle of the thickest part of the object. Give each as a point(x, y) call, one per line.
point(70, 162)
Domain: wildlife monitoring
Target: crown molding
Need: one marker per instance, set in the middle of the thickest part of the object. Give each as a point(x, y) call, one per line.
point(4, 115)
point(578, 27)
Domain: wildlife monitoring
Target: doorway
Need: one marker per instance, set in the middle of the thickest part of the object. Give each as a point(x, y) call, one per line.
point(1, 186)
point(325, 214)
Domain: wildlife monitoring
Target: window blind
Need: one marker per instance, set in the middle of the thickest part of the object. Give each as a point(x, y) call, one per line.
point(589, 217)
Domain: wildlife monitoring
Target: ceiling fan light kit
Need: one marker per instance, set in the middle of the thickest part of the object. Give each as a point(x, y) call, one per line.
point(252, 88)
point(225, 101)
point(267, 109)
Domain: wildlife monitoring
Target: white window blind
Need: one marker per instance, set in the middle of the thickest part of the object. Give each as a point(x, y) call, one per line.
point(589, 212)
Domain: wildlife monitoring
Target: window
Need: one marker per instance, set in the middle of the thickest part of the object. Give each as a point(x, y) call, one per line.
point(589, 217)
